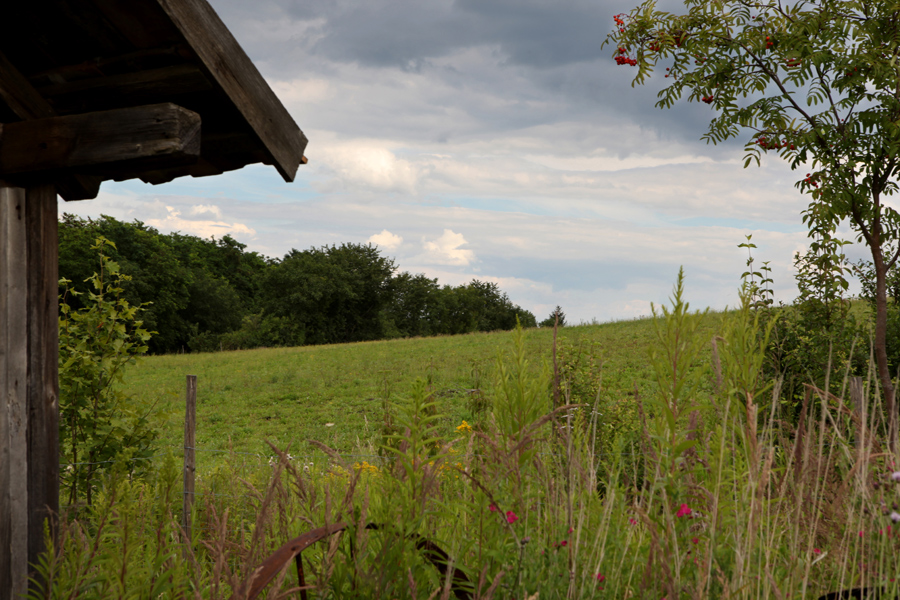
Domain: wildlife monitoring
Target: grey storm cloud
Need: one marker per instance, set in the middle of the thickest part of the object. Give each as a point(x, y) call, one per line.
point(545, 56)
point(404, 33)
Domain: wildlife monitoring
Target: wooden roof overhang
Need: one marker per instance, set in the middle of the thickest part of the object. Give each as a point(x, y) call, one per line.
point(96, 90)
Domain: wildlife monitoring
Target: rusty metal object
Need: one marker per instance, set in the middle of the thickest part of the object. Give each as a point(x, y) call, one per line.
point(264, 573)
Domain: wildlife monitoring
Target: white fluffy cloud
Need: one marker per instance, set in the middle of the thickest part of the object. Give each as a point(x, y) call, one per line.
point(200, 227)
point(386, 240)
point(446, 250)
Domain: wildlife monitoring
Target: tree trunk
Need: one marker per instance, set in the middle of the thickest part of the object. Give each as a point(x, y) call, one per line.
point(881, 358)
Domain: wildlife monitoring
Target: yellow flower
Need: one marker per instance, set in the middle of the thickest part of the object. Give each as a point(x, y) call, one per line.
point(365, 467)
point(464, 428)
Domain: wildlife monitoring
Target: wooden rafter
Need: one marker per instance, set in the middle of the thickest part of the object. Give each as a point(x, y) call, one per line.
point(27, 103)
point(114, 141)
point(228, 65)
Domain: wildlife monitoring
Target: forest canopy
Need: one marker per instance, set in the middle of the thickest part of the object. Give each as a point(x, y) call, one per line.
point(212, 294)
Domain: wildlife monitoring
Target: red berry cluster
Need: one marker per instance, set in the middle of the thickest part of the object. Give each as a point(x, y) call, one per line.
point(853, 72)
point(769, 43)
point(621, 59)
point(708, 99)
point(809, 180)
point(793, 62)
point(766, 144)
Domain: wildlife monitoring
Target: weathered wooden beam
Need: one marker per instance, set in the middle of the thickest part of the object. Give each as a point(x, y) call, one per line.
point(159, 134)
point(27, 103)
point(29, 383)
point(126, 89)
point(13, 390)
point(42, 395)
point(228, 65)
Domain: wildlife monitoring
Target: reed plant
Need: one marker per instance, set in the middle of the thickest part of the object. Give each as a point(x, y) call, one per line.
point(725, 498)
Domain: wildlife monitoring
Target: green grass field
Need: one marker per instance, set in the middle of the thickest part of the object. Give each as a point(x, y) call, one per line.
point(333, 394)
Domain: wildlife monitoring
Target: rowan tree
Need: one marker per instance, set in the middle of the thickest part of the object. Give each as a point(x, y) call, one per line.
point(815, 83)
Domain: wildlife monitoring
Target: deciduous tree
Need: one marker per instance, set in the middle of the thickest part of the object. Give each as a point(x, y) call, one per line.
point(814, 83)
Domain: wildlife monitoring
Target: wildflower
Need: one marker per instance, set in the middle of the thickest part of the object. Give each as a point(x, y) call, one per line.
point(632, 521)
point(601, 578)
point(464, 428)
point(564, 543)
point(683, 511)
point(492, 508)
point(817, 551)
point(895, 517)
point(511, 517)
point(571, 529)
point(695, 540)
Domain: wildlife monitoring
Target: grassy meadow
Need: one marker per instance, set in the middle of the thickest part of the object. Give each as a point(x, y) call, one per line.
point(334, 394)
point(671, 467)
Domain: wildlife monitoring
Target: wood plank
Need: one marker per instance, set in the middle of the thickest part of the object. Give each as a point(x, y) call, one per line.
point(20, 95)
point(159, 133)
point(228, 65)
point(13, 386)
point(28, 104)
point(128, 89)
point(41, 222)
point(5, 357)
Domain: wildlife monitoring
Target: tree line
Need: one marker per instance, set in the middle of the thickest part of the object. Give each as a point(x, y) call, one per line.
point(211, 294)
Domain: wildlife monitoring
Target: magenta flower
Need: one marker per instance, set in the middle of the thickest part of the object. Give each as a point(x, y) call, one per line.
point(695, 540)
point(683, 511)
point(492, 508)
point(632, 521)
point(511, 517)
point(564, 543)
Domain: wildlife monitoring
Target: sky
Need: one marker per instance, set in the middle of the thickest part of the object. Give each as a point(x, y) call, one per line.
point(492, 140)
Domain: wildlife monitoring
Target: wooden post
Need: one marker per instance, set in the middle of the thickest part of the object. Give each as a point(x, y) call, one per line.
point(190, 427)
point(29, 407)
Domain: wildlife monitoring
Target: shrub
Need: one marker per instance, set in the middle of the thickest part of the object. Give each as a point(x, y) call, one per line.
point(99, 425)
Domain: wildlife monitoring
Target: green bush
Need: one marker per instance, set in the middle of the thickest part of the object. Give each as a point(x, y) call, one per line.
point(98, 424)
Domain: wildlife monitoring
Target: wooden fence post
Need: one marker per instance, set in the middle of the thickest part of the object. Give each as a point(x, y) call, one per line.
point(190, 427)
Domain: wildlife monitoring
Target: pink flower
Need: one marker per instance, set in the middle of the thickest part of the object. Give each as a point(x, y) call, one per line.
point(492, 508)
point(695, 540)
point(571, 529)
point(632, 521)
point(601, 578)
point(564, 543)
point(683, 511)
point(817, 551)
point(860, 534)
point(511, 517)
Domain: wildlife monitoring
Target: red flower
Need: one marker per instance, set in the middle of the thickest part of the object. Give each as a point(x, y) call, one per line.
point(511, 517)
point(683, 511)
point(492, 508)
